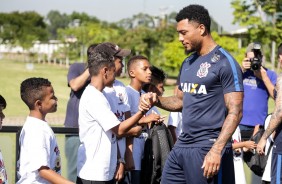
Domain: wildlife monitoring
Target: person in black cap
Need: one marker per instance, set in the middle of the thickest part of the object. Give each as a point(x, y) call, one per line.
point(99, 127)
point(78, 78)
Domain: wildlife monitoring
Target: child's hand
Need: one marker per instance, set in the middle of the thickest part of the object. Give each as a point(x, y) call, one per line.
point(152, 118)
point(250, 145)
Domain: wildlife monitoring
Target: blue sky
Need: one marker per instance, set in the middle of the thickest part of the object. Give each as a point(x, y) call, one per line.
point(114, 10)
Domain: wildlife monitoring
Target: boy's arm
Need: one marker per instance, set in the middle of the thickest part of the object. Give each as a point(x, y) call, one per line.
point(134, 131)
point(120, 166)
point(129, 161)
point(52, 176)
point(244, 144)
point(149, 118)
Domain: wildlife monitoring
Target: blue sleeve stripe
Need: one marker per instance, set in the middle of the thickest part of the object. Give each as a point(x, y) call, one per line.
point(233, 67)
point(278, 169)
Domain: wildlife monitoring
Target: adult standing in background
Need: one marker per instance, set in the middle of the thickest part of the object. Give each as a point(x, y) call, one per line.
point(78, 78)
point(259, 85)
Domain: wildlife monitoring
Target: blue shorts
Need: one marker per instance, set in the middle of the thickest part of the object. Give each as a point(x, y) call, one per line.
point(276, 168)
point(183, 166)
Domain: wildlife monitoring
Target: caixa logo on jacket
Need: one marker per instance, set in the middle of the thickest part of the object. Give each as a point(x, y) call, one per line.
point(193, 88)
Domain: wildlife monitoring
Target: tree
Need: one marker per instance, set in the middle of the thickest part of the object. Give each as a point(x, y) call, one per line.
point(86, 34)
point(262, 17)
point(22, 28)
point(174, 54)
point(231, 45)
point(56, 20)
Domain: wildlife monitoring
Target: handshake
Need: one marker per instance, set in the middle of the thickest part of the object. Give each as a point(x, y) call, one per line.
point(147, 101)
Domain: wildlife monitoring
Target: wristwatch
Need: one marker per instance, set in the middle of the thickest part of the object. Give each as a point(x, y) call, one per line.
point(121, 160)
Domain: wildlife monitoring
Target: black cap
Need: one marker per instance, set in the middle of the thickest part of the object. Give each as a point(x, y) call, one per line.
point(112, 49)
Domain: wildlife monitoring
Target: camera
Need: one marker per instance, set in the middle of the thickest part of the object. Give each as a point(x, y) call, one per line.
point(257, 60)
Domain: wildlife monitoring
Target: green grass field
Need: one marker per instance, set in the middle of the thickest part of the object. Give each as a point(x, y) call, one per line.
point(13, 73)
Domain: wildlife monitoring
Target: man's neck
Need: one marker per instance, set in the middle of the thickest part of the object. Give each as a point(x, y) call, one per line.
point(208, 45)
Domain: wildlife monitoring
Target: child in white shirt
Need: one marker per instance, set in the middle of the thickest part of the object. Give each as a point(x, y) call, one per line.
point(39, 160)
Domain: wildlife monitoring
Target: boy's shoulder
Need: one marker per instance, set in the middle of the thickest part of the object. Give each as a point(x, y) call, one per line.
point(36, 125)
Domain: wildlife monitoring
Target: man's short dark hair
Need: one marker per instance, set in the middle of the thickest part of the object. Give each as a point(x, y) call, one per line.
point(196, 13)
point(280, 49)
point(32, 90)
point(3, 103)
point(133, 60)
point(98, 60)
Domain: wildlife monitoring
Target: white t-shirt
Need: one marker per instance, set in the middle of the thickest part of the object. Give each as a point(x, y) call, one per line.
point(138, 142)
point(97, 153)
point(38, 147)
point(3, 173)
point(238, 160)
point(175, 119)
point(118, 99)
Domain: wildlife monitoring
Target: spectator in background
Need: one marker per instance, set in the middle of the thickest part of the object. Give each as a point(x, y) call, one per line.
point(78, 78)
point(259, 85)
point(3, 172)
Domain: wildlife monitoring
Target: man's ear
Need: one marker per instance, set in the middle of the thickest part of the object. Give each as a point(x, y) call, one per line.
point(202, 29)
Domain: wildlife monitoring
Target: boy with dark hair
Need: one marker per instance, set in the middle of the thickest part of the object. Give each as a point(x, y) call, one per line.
point(78, 78)
point(3, 172)
point(118, 100)
point(157, 81)
point(140, 74)
point(98, 125)
point(39, 160)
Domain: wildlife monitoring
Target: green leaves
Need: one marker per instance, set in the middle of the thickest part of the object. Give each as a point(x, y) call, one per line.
point(262, 17)
point(22, 28)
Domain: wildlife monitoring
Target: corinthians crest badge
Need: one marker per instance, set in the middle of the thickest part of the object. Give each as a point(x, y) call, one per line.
point(203, 70)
